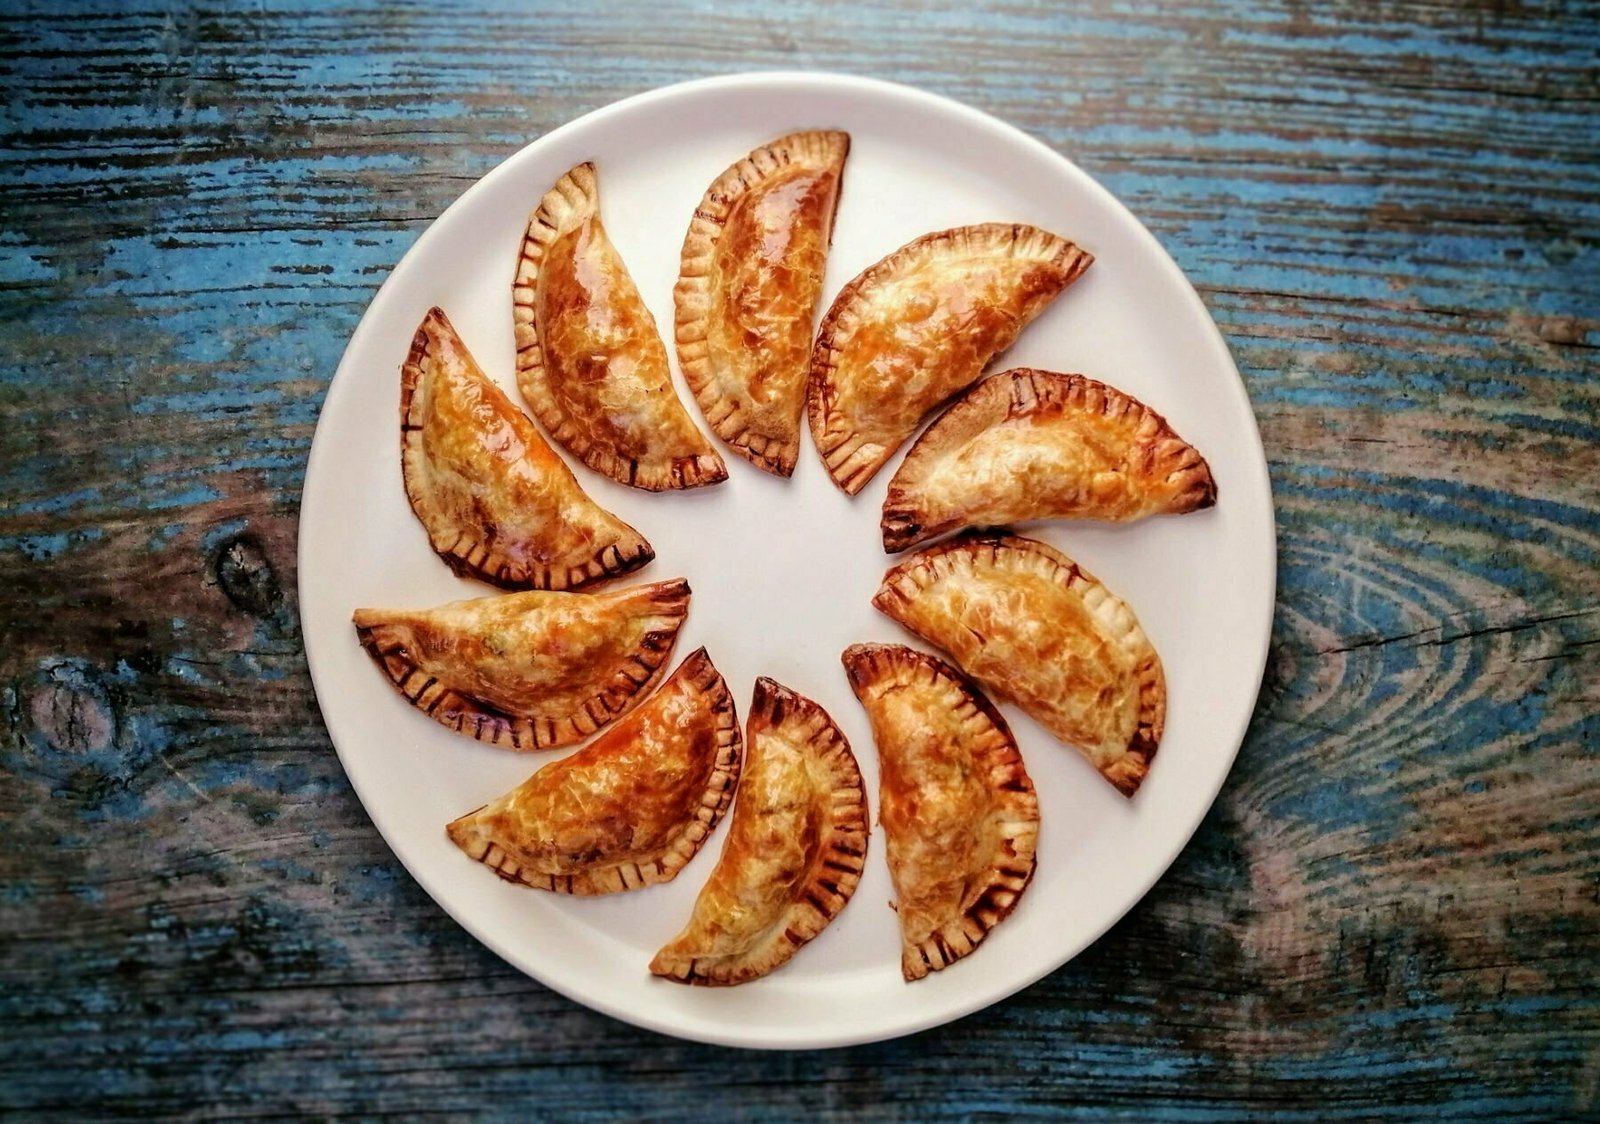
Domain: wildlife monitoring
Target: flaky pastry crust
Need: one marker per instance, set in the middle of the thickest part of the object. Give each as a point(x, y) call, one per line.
point(1028, 444)
point(497, 502)
point(589, 360)
point(533, 670)
point(959, 814)
point(1032, 626)
point(750, 278)
point(628, 810)
point(794, 851)
point(920, 326)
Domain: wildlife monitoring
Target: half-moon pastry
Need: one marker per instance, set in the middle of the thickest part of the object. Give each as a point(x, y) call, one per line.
point(529, 670)
point(1030, 444)
point(920, 326)
point(497, 502)
point(747, 293)
point(1032, 626)
point(960, 818)
point(589, 360)
point(794, 851)
point(629, 809)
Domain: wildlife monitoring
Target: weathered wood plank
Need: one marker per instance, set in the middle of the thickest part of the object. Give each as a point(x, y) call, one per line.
point(1394, 213)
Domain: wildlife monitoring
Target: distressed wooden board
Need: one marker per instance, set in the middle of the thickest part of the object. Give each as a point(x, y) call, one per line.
point(1394, 213)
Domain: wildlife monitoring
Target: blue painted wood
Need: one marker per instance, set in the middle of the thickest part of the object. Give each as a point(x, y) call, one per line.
point(1394, 213)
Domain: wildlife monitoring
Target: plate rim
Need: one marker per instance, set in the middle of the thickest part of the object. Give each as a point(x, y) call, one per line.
point(769, 80)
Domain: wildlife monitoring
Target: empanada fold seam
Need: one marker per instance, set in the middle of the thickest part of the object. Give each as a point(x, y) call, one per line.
point(454, 708)
point(693, 297)
point(1006, 552)
point(833, 871)
point(464, 549)
point(1018, 241)
point(574, 199)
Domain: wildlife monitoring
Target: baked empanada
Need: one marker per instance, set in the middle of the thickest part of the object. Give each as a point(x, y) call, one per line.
point(920, 326)
point(1030, 444)
point(1030, 625)
point(497, 502)
point(960, 818)
point(747, 292)
point(629, 809)
point(794, 850)
point(589, 360)
point(530, 670)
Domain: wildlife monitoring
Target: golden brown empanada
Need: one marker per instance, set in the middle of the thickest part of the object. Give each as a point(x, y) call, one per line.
point(629, 809)
point(530, 670)
point(589, 360)
point(1030, 444)
point(747, 292)
point(497, 502)
point(960, 818)
point(920, 326)
point(1031, 626)
point(794, 850)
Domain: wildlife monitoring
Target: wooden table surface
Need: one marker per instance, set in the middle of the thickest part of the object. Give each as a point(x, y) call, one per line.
point(1393, 212)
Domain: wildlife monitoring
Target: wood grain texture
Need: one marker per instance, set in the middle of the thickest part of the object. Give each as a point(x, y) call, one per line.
point(1392, 210)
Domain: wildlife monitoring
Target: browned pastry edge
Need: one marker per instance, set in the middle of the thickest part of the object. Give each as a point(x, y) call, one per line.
point(929, 565)
point(717, 796)
point(1024, 392)
point(470, 557)
point(846, 467)
point(1008, 776)
point(556, 211)
point(813, 147)
point(835, 869)
point(484, 722)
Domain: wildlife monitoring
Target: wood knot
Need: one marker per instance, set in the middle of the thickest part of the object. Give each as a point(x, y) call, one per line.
point(1282, 667)
point(72, 716)
point(247, 577)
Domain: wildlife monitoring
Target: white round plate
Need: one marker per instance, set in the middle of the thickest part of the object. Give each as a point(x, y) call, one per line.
point(783, 571)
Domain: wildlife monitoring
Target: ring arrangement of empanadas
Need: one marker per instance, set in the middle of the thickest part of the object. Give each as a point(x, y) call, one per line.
point(959, 814)
point(794, 852)
point(1032, 626)
point(497, 502)
point(920, 326)
point(628, 810)
point(747, 293)
point(1030, 444)
point(533, 670)
point(589, 360)
point(547, 666)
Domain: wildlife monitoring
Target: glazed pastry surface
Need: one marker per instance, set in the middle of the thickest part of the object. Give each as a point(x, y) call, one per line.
point(497, 502)
point(1028, 444)
point(628, 810)
point(960, 818)
point(590, 363)
point(1032, 626)
point(533, 670)
point(919, 327)
point(751, 277)
point(794, 851)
